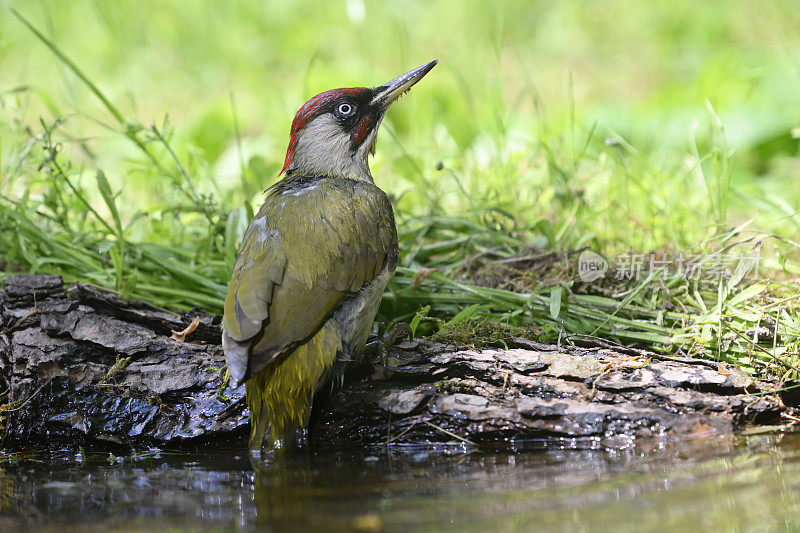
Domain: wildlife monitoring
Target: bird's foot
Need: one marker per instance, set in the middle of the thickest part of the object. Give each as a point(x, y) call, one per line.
point(383, 343)
point(399, 330)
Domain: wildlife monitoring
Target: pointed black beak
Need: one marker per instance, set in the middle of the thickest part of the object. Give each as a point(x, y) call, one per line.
point(391, 91)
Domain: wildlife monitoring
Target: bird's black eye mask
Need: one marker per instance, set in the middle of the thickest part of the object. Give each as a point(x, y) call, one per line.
point(356, 116)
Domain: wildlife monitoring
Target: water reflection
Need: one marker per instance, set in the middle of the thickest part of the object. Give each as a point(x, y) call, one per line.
point(700, 484)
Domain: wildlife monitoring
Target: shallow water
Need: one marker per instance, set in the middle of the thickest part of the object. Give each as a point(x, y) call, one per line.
point(742, 484)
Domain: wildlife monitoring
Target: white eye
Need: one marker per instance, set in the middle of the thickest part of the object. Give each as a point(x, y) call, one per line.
point(345, 109)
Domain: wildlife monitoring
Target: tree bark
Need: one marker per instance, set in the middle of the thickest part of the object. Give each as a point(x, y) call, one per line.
point(84, 366)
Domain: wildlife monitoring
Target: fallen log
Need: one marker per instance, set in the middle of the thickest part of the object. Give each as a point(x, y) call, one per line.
point(84, 366)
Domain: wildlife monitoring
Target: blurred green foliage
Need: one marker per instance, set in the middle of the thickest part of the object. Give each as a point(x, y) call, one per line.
point(612, 124)
point(512, 74)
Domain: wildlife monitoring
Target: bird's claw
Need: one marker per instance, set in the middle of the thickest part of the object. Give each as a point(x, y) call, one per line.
point(399, 330)
point(385, 341)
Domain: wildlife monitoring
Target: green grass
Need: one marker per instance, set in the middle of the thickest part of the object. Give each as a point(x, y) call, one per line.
point(136, 140)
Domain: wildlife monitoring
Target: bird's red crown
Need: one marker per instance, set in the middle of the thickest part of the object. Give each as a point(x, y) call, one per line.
point(310, 110)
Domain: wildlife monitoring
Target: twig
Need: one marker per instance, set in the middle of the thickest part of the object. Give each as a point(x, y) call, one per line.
point(402, 432)
point(463, 439)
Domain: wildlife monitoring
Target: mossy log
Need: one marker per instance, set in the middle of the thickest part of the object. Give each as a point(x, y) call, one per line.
point(81, 365)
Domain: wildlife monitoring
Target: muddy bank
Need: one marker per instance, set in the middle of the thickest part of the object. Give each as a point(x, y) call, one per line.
point(81, 365)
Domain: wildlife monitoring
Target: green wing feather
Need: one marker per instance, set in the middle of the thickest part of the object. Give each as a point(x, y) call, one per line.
point(312, 243)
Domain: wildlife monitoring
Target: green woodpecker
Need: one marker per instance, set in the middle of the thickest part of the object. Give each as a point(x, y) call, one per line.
point(314, 262)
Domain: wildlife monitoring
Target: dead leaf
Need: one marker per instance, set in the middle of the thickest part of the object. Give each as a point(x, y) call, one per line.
point(421, 275)
point(180, 336)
